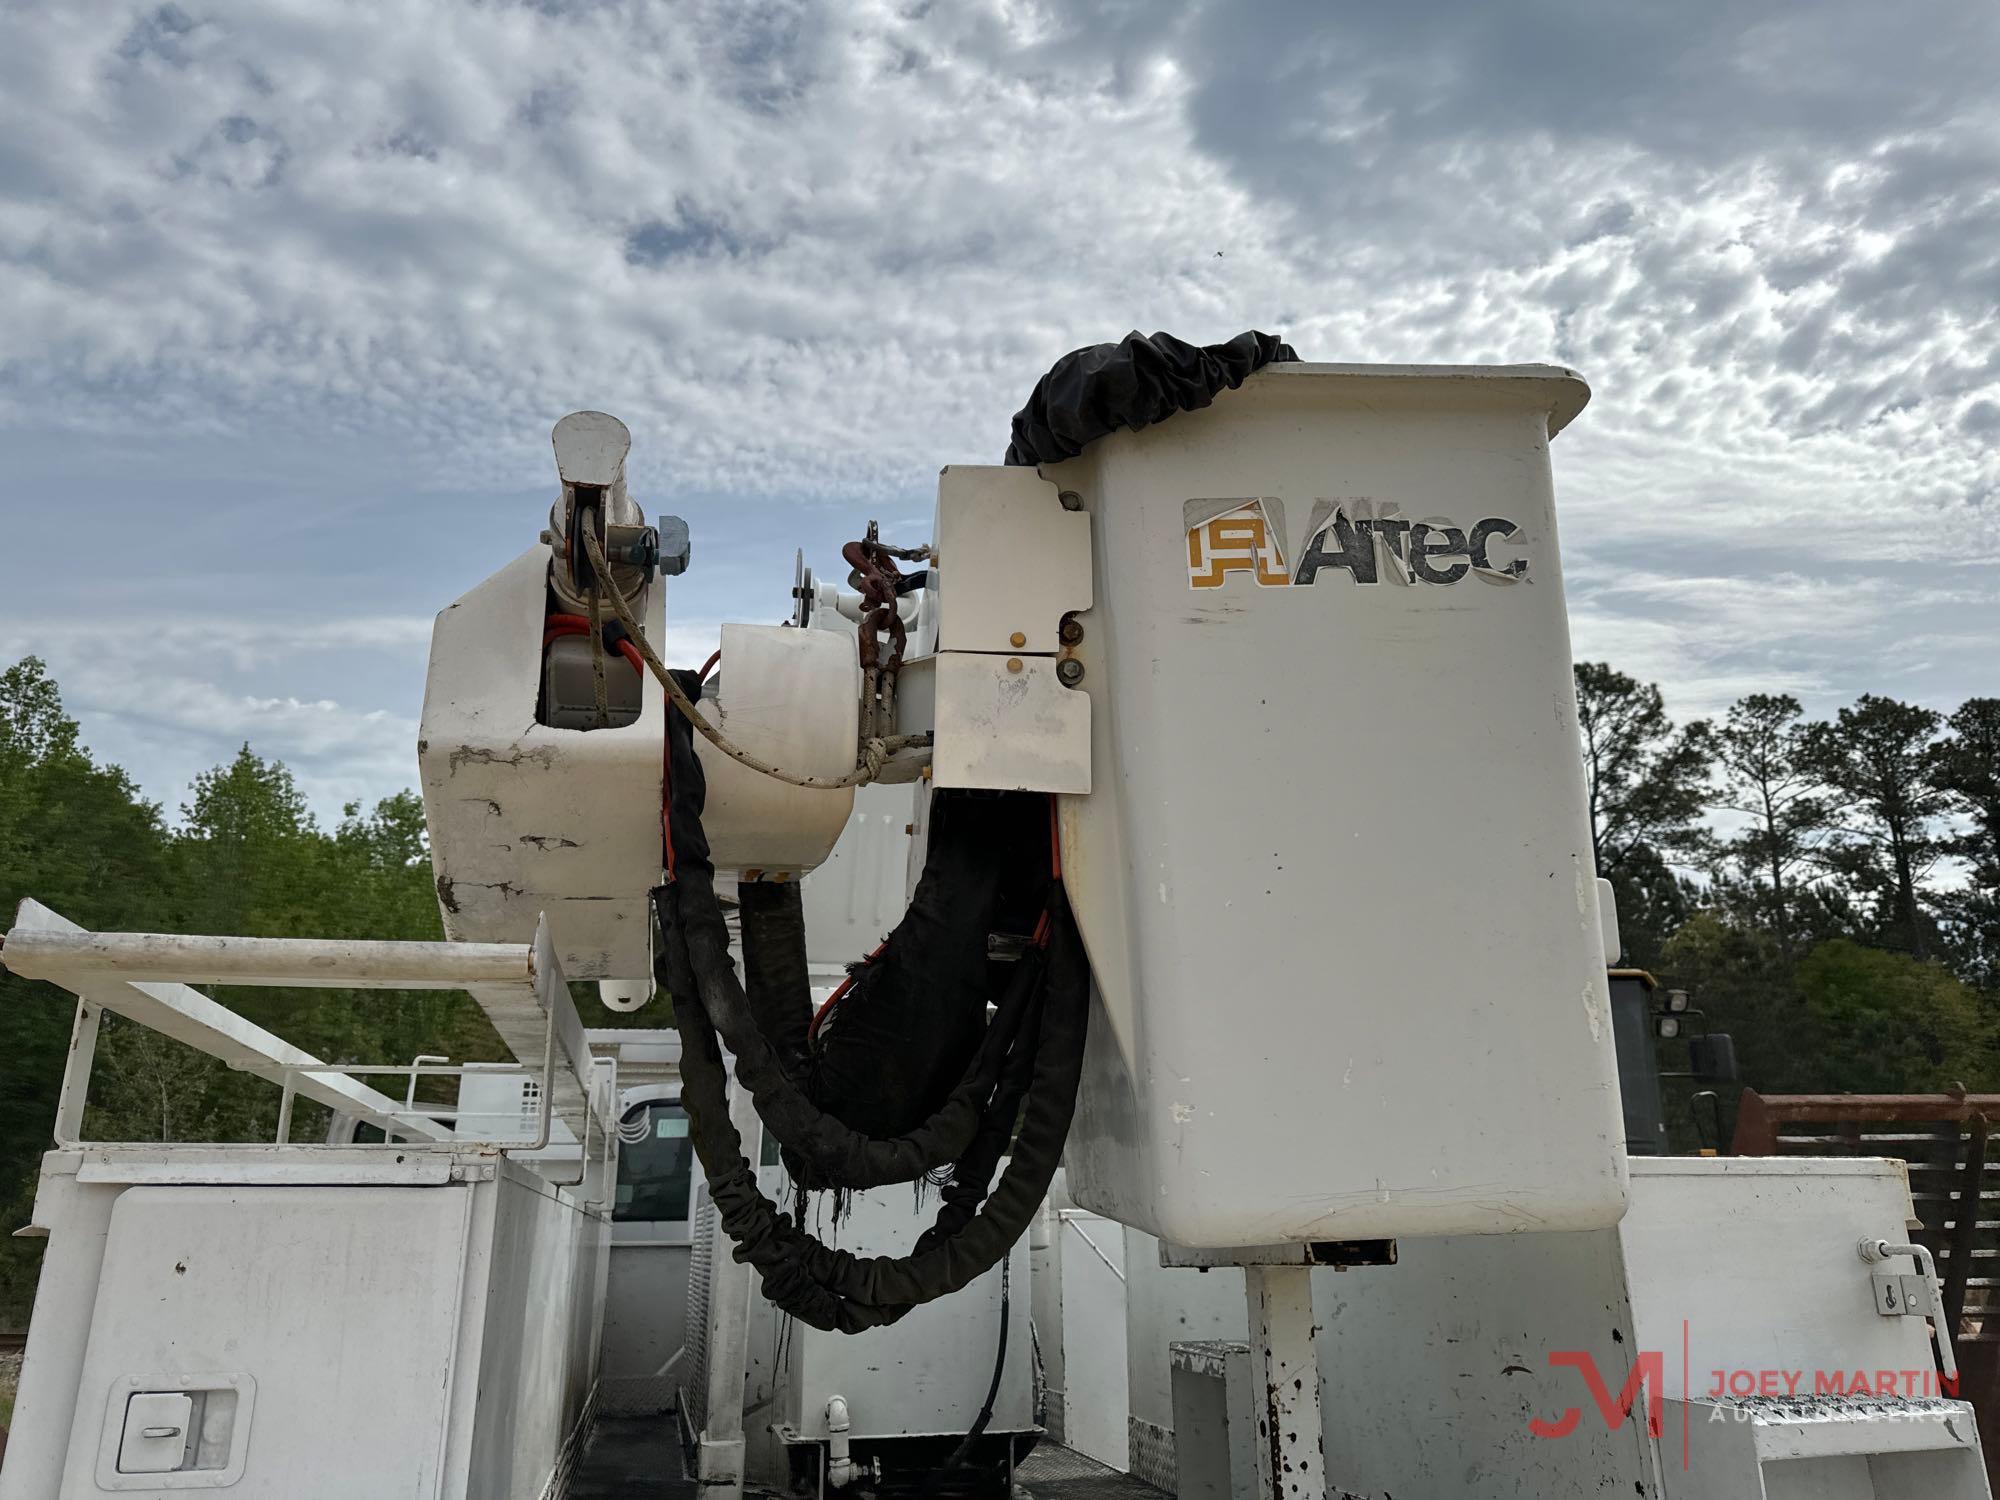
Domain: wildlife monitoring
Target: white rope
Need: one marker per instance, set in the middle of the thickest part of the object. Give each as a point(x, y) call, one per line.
point(874, 754)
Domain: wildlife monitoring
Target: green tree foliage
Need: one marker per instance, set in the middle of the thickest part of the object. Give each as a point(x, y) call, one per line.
point(1762, 748)
point(77, 836)
point(1881, 758)
point(247, 858)
point(1968, 766)
point(1647, 780)
point(1888, 1023)
point(1849, 859)
point(1648, 787)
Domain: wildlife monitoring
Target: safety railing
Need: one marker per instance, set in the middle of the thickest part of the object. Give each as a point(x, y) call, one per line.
point(146, 978)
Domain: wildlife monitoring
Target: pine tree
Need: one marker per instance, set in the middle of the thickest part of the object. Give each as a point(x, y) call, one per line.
point(1762, 748)
point(1969, 768)
point(1648, 790)
point(1880, 758)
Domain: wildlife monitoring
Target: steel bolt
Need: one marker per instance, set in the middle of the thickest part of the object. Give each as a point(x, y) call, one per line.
point(1071, 630)
point(1070, 499)
point(1070, 671)
point(1013, 663)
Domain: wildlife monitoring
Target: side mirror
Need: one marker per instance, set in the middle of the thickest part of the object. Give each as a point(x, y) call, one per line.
point(1712, 1058)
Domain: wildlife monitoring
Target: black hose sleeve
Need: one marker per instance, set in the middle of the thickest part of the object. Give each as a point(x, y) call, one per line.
point(1042, 1017)
point(776, 981)
point(836, 1290)
point(836, 1155)
point(696, 948)
point(897, 1281)
point(972, 1176)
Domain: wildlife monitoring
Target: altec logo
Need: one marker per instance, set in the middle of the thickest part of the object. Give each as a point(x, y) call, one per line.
point(1366, 541)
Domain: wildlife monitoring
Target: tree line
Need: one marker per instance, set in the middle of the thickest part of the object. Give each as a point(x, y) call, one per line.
point(1829, 889)
point(246, 856)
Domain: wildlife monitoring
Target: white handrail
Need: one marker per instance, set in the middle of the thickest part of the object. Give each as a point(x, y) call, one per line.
point(187, 958)
point(1874, 1251)
point(143, 976)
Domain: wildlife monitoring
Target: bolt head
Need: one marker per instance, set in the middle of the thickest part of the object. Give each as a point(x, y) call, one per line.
point(1069, 671)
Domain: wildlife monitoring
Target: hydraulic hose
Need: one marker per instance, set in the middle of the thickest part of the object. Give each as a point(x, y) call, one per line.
point(1027, 1066)
point(696, 947)
point(836, 1289)
point(777, 982)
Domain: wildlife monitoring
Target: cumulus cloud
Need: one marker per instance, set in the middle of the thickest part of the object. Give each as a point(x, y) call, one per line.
point(812, 252)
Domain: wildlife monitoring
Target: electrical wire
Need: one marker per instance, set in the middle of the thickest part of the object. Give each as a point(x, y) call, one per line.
point(875, 753)
point(958, 1455)
point(840, 990)
point(1040, 938)
point(600, 690)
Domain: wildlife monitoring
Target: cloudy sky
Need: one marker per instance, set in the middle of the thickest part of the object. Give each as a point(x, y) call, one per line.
point(291, 292)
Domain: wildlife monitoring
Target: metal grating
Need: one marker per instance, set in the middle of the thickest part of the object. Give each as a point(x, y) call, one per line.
point(638, 1395)
point(1052, 1415)
point(1053, 1472)
point(573, 1447)
point(702, 1231)
point(1152, 1451)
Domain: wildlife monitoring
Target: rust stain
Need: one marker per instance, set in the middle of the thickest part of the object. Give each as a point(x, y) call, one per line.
point(475, 755)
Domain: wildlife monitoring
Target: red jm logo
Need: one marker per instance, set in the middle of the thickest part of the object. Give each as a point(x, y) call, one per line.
point(1647, 1372)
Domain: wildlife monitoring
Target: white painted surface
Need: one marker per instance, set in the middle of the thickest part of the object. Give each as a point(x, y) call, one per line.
point(1753, 1261)
point(1005, 723)
point(645, 1327)
point(1285, 1368)
point(1607, 919)
point(1433, 1368)
point(1896, 1452)
point(1096, 1381)
point(313, 1293)
point(731, 1301)
point(590, 448)
point(857, 894)
point(1045, 1302)
point(1011, 561)
point(925, 1375)
point(1336, 858)
point(384, 1337)
point(543, 1296)
point(520, 986)
point(792, 698)
point(525, 819)
point(170, 957)
point(929, 1372)
point(1164, 1307)
point(46, 1404)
